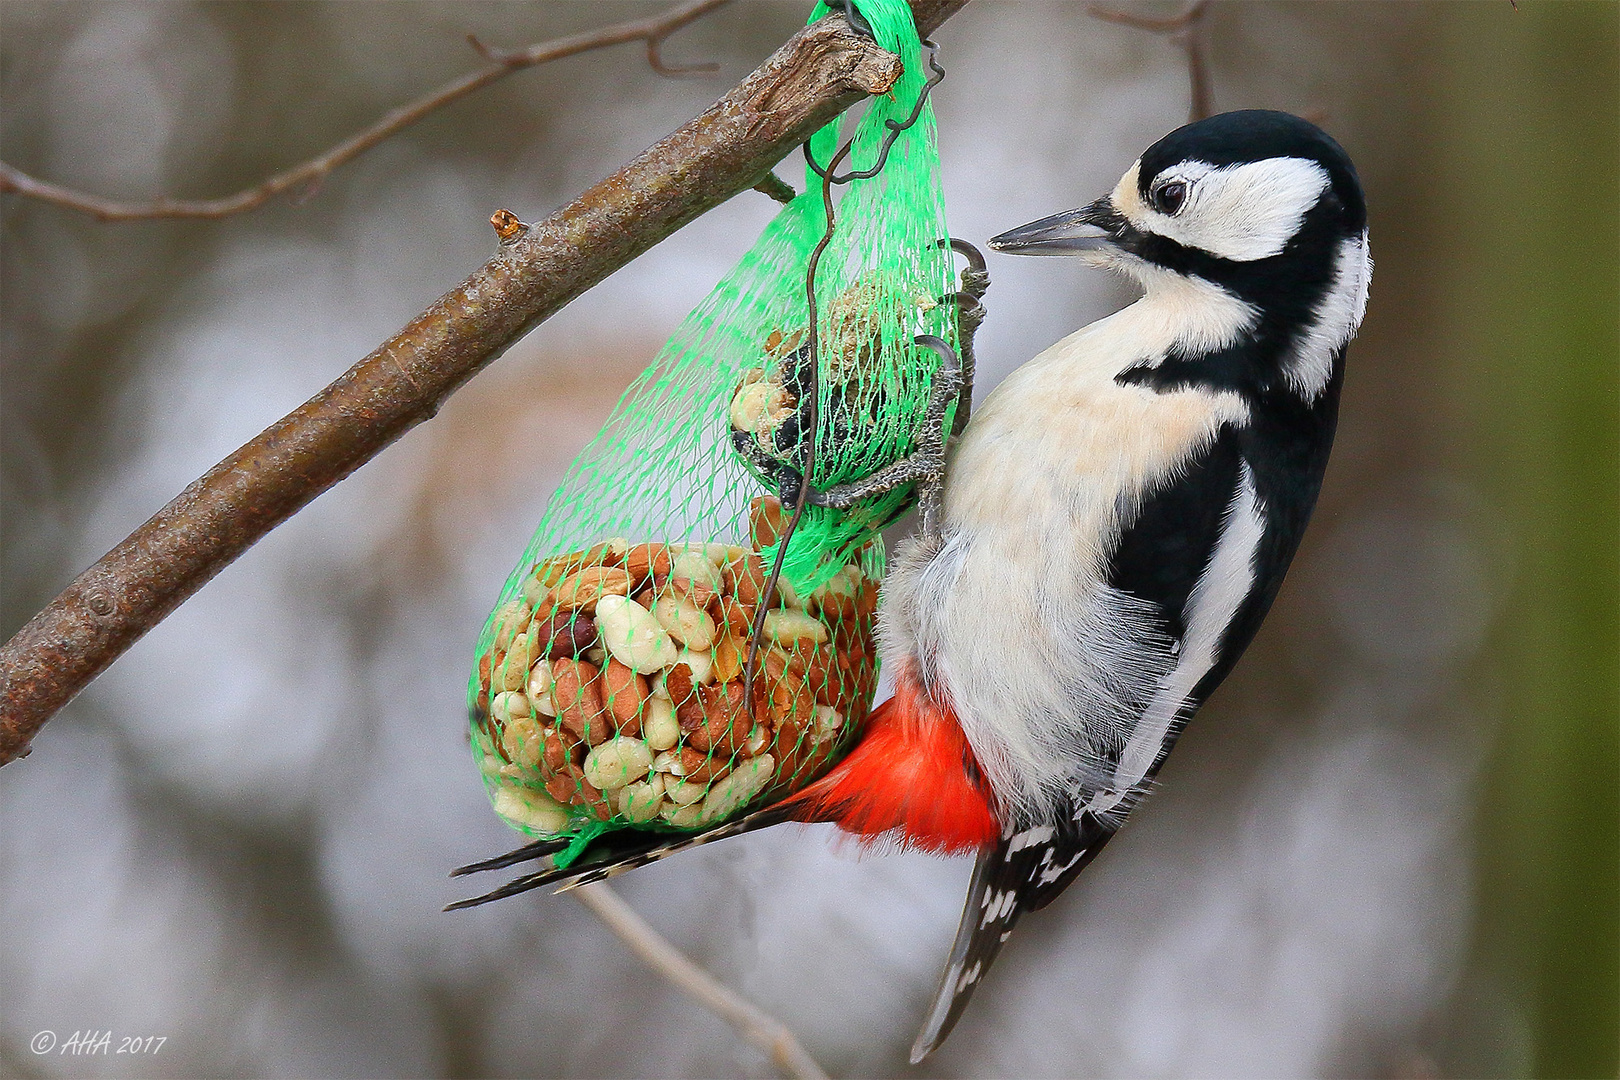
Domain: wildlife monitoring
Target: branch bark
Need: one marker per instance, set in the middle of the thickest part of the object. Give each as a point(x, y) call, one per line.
point(308, 176)
point(729, 148)
point(752, 1023)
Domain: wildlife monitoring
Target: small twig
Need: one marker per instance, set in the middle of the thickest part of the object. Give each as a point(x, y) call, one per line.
point(1189, 29)
point(309, 176)
point(752, 1023)
point(777, 188)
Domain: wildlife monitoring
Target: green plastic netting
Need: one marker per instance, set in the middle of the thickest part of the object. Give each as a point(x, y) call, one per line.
point(610, 689)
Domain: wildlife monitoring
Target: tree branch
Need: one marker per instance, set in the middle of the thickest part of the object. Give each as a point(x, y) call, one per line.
point(310, 174)
point(819, 72)
point(1190, 30)
point(753, 1024)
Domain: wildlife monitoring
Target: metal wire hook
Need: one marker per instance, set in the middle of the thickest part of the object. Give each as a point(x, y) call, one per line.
point(895, 128)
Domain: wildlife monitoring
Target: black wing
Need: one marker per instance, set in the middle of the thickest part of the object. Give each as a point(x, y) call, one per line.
point(1025, 871)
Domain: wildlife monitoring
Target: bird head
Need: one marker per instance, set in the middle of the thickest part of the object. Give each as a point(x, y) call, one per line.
point(1262, 205)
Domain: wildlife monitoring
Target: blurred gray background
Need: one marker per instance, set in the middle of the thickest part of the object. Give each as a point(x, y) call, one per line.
point(1386, 848)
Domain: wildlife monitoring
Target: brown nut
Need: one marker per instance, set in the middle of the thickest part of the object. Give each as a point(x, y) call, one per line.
point(547, 572)
point(730, 654)
point(744, 578)
point(766, 521)
point(582, 793)
point(780, 663)
point(700, 594)
point(726, 722)
point(788, 734)
point(791, 702)
point(701, 768)
point(578, 699)
point(847, 636)
point(683, 692)
point(866, 598)
point(583, 588)
point(645, 561)
point(556, 755)
point(563, 788)
point(857, 684)
point(564, 634)
point(803, 761)
point(821, 673)
point(737, 617)
point(777, 346)
point(597, 800)
point(626, 693)
point(570, 788)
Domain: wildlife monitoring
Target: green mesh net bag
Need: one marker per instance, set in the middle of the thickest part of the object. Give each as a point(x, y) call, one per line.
point(639, 671)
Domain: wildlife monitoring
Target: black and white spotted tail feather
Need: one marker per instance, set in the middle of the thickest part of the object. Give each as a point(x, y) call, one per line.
point(609, 855)
point(1024, 872)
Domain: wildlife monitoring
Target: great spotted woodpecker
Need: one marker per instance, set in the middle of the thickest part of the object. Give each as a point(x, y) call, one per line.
point(1112, 526)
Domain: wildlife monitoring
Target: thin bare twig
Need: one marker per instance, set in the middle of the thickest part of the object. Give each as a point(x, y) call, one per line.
point(819, 72)
point(776, 188)
point(309, 176)
point(752, 1023)
point(1189, 29)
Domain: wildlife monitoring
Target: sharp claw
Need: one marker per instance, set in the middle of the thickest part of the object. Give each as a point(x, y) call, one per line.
point(949, 360)
point(972, 254)
point(969, 311)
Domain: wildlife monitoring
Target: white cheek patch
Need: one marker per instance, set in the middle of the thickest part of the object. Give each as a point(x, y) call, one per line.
point(1238, 212)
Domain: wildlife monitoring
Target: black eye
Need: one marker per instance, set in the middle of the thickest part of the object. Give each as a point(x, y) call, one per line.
point(1168, 199)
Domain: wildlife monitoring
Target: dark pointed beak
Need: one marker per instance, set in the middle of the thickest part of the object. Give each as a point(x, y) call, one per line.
point(1089, 228)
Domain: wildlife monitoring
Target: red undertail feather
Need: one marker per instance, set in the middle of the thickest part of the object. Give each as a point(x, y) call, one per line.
point(912, 775)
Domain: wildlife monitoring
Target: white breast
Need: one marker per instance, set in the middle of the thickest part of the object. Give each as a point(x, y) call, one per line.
point(1049, 669)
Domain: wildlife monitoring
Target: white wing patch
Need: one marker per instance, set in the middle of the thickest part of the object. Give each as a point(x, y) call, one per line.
point(998, 906)
point(1215, 599)
point(1239, 212)
point(1309, 368)
point(1046, 872)
point(1029, 838)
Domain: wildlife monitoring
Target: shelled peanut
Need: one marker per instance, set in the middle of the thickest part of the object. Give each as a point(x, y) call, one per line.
point(615, 682)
